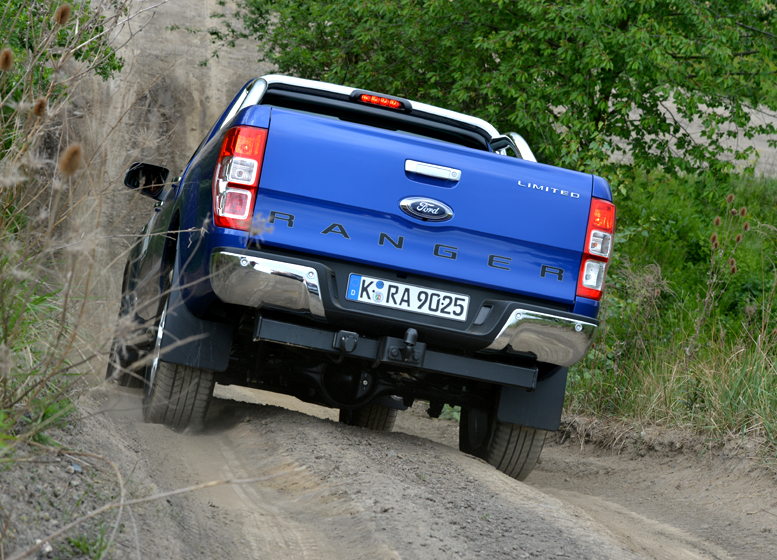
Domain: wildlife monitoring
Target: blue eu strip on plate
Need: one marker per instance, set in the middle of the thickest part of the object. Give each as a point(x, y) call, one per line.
point(354, 282)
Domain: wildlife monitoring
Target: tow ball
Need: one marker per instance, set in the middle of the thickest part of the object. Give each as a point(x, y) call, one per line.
point(407, 351)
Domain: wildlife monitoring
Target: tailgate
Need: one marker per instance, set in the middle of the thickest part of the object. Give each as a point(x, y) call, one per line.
point(334, 188)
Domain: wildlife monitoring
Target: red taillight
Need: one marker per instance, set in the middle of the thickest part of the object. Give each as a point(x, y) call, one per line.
point(237, 176)
point(598, 247)
point(602, 215)
point(382, 101)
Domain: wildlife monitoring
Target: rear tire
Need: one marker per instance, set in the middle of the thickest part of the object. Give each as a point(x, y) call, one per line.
point(515, 450)
point(178, 396)
point(512, 449)
point(373, 416)
point(175, 395)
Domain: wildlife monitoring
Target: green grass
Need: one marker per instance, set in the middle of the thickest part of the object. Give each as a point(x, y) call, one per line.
point(31, 395)
point(94, 546)
point(687, 339)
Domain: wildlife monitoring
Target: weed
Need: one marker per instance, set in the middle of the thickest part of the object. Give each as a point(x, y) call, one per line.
point(48, 49)
point(93, 547)
point(451, 413)
point(45, 265)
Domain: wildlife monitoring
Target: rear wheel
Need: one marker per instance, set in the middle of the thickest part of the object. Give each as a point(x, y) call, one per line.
point(373, 416)
point(178, 396)
point(175, 395)
point(512, 449)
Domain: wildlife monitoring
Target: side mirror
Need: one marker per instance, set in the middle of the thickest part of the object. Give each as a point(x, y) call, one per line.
point(150, 179)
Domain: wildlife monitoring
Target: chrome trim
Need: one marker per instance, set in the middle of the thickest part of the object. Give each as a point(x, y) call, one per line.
point(257, 282)
point(522, 146)
point(431, 170)
point(553, 339)
point(254, 96)
point(239, 104)
point(501, 144)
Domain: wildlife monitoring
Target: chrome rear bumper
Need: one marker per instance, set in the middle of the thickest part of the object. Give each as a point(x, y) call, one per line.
point(257, 282)
point(553, 339)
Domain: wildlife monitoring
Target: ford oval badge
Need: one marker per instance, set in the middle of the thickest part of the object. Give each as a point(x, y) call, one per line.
point(426, 209)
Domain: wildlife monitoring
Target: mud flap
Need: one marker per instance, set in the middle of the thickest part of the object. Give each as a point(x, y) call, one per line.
point(540, 408)
point(190, 341)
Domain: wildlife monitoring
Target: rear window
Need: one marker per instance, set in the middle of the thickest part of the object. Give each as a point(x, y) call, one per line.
point(340, 107)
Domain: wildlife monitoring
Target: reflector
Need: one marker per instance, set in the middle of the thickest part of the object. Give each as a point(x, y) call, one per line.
point(236, 203)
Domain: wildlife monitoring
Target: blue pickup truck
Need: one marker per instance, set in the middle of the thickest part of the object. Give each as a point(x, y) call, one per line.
point(360, 251)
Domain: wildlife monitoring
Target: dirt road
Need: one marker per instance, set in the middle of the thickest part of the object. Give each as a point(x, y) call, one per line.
point(340, 492)
point(332, 491)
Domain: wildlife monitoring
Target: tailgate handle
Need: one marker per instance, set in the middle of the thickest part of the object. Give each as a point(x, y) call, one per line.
point(430, 170)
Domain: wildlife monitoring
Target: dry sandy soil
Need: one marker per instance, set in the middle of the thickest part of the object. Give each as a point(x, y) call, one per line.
point(320, 489)
point(309, 487)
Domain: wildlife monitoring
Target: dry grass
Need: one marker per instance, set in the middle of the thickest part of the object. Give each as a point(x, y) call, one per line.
point(49, 233)
point(49, 50)
point(44, 279)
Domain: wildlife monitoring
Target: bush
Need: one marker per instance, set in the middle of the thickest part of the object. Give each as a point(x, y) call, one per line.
point(580, 80)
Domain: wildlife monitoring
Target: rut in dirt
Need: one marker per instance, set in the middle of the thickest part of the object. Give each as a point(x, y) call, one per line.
point(336, 491)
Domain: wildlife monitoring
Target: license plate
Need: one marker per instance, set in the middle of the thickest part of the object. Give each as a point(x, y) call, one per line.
point(416, 299)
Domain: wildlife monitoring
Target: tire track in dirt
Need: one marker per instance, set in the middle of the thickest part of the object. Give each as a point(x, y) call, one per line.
point(650, 522)
point(653, 540)
point(335, 491)
point(287, 515)
point(720, 502)
point(280, 535)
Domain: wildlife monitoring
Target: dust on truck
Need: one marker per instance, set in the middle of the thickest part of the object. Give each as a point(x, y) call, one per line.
point(361, 251)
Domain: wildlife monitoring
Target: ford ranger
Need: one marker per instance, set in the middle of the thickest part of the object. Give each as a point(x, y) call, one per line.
point(362, 251)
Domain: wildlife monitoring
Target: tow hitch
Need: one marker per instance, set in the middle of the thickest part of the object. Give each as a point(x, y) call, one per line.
point(406, 351)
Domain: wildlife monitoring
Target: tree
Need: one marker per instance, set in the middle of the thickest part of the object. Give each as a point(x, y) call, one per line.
point(581, 80)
